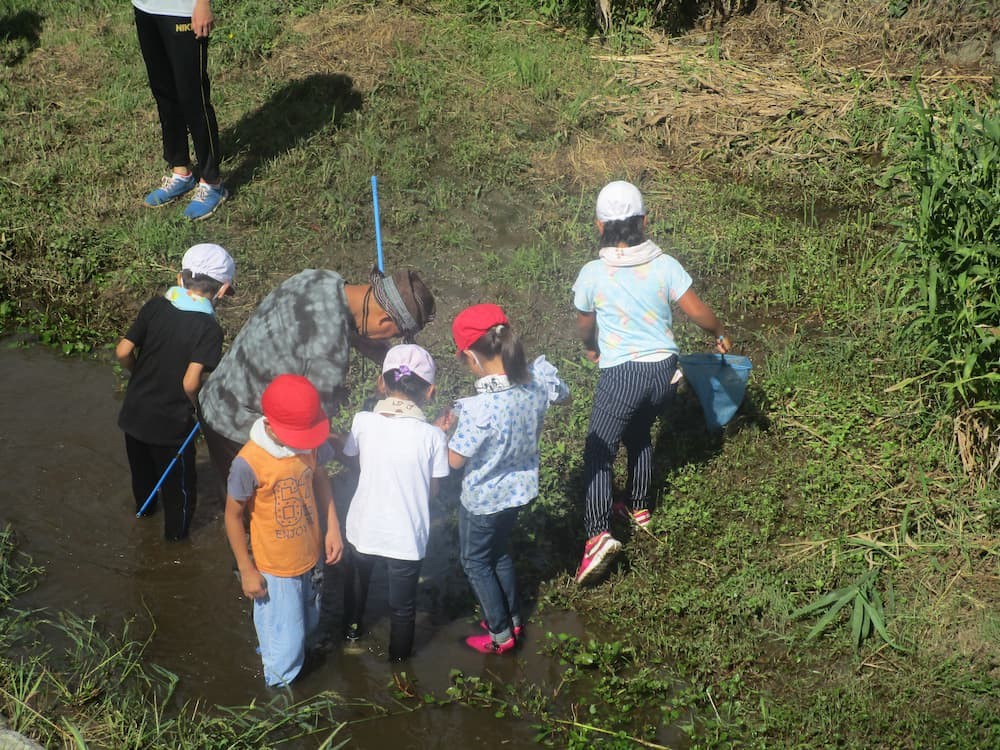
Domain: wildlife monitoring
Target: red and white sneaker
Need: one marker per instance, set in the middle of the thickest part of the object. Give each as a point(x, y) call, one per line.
point(485, 644)
point(641, 518)
point(598, 554)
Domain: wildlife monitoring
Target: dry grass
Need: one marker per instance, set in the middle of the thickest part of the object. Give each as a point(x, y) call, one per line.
point(778, 84)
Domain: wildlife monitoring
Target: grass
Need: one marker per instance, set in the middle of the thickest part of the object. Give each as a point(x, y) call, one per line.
point(831, 488)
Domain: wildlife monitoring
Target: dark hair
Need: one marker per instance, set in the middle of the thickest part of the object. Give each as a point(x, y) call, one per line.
point(201, 284)
point(416, 296)
point(410, 385)
point(630, 232)
point(501, 339)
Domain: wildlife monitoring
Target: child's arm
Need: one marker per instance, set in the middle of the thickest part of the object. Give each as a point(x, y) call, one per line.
point(586, 328)
point(692, 306)
point(456, 460)
point(125, 353)
point(333, 543)
point(193, 377)
point(254, 585)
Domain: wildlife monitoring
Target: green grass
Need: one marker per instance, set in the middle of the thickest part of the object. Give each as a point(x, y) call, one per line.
point(489, 150)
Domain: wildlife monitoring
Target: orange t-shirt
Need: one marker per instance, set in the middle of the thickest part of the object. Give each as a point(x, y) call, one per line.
point(284, 528)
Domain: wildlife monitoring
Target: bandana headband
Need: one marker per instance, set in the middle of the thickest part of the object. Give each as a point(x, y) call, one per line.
point(388, 296)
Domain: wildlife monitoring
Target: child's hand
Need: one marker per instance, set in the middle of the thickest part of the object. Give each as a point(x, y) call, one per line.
point(446, 420)
point(334, 546)
point(254, 585)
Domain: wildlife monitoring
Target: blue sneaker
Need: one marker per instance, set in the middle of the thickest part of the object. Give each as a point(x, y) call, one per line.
point(172, 188)
point(207, 199)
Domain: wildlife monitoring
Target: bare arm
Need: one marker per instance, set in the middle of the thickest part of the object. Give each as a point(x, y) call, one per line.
point(125, 353)
point(692, 306)
point(192, 381)
point(586, 328)
point(456, 460)
point(333, 544)
point(253, 582)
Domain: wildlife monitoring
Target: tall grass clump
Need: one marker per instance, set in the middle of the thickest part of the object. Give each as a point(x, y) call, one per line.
point(946, 278)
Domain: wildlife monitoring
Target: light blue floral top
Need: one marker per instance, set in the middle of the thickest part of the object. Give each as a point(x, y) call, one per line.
point(498, 432)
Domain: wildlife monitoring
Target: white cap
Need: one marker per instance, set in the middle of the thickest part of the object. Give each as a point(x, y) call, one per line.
point(210, 260)
point(619, 200)
point(410, 358)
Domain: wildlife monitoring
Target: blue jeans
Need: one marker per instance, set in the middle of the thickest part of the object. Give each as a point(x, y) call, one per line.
point(483, 544)
point(284, 620)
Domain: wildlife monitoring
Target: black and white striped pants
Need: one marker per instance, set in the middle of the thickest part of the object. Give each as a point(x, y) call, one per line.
point(627, 401)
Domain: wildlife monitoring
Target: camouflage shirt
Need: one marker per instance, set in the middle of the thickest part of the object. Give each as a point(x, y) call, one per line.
point(302, 327)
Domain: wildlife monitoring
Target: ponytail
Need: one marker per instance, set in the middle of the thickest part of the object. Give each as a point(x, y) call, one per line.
point(501, 339)
point(408, 383)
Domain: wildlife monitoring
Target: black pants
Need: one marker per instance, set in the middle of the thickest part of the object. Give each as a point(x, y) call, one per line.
point(177, 66)
point(222, 451)
point(628, 399)
point(404, 575)
point(179, 491)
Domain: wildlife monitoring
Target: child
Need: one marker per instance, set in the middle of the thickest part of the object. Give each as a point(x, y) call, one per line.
point(178, 342)
point(402, 458)
point(279, 481)
point(496, 441)
point(623, 317)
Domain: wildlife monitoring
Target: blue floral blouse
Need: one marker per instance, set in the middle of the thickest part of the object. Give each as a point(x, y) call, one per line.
point(498, 433)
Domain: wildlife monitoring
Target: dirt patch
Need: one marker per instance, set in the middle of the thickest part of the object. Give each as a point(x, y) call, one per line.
point(361, 44)
point(782, 83)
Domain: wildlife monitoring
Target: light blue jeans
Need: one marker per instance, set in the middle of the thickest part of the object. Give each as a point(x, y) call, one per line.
point(487, 564)
point(285, 619)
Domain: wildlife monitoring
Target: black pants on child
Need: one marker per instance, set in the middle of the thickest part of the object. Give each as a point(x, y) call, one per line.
point(177, 67)
point(404, 575)
point(628, 399)
point(179, 490)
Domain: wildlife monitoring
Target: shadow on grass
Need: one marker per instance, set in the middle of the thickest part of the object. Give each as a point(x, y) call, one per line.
point(291, 116)
point(19, 35)
point(684, 439)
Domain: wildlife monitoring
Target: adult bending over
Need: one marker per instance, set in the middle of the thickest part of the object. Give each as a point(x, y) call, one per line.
point(306, 327)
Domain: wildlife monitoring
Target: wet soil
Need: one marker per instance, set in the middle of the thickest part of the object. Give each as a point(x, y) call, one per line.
point(67, 496)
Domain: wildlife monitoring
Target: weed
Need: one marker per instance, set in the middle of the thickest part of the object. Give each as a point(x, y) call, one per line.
point(946, 275)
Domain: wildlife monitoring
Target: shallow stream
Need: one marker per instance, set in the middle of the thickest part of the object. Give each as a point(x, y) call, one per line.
point(67, 497)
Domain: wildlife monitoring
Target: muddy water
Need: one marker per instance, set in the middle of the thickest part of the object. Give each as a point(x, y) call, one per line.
point(67, 496)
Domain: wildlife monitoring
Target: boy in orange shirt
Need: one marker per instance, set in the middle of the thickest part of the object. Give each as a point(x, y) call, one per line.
point(279, 481)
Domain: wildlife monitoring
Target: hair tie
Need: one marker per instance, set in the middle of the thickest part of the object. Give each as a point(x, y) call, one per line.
point(404, 370)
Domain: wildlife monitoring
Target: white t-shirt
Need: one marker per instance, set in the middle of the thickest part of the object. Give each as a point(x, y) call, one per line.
point(181, 8)
point(389, 515)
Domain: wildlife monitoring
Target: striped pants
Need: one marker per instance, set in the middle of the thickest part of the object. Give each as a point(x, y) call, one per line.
point(628, 399)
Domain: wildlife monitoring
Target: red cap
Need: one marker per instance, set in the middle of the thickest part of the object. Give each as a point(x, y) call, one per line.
point(292, 408)
point(470, 324)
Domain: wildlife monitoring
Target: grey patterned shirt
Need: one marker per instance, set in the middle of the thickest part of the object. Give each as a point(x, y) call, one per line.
point(302, 328)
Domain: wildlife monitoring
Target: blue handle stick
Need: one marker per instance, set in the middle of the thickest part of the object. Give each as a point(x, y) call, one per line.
point(166, 472)
point(378, 226)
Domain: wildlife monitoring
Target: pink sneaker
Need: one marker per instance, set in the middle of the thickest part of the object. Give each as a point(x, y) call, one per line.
point(484, 644)
point(598, 554)
point(518, 630)
point(640, 518)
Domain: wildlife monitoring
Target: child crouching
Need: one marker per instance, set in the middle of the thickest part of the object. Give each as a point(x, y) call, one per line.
point(279, 481)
